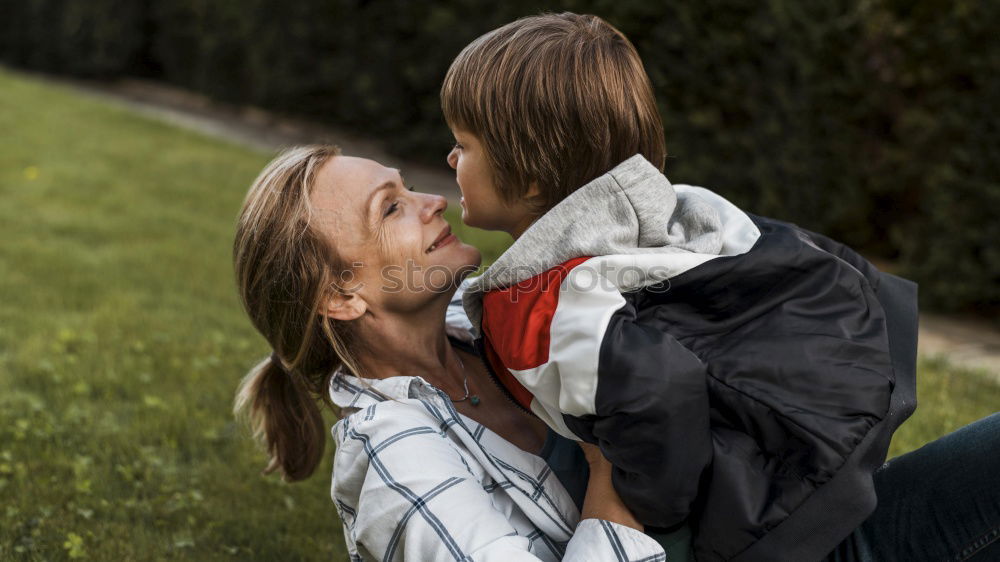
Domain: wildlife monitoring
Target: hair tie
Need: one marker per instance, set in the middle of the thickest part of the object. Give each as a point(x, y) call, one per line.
point(277, 361)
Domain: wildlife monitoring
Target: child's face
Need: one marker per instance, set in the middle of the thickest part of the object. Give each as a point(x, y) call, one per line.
point(482, 206)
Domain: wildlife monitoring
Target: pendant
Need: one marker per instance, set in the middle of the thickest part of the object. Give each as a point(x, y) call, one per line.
point(474, 399)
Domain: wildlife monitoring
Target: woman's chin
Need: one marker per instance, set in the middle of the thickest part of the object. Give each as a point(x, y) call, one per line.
point(471, 258)
point(447, 279)
point(456, 256)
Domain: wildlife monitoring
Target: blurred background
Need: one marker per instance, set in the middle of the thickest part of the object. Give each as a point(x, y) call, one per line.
point(131, 129)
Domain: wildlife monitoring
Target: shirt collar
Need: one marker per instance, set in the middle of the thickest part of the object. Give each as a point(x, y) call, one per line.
point(356, 393)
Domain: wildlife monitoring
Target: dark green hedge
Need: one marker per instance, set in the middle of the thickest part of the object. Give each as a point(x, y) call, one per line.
point(871, 121)
point(95, 38)
point(944, 151)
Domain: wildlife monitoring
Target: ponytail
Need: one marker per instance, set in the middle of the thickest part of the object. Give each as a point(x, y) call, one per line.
point(284, 417)
point(286, 267)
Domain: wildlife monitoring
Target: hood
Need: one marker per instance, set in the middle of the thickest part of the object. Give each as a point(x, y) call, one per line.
point(632, 209)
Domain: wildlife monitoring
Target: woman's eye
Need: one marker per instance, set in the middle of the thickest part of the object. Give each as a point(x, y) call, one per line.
point(411, 188)
point(392, 209)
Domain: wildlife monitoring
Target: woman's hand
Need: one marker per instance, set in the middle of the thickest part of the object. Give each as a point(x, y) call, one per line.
point(602, 501)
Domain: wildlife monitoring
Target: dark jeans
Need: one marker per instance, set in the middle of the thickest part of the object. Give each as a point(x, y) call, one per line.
point(938, 503)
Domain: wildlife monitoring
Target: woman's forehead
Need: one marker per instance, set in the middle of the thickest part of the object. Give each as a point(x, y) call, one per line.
point(349, 175)
point(344, 189)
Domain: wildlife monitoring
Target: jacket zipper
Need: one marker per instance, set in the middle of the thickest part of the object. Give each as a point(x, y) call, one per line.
point(481, 353)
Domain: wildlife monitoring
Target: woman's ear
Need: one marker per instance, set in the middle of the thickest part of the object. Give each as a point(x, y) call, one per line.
point(345, 306)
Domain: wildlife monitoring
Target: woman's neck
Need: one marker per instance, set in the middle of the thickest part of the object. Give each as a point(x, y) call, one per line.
point(416, 344)
point(409, 344)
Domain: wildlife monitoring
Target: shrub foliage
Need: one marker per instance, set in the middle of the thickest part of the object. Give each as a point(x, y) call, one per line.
point(869, 120)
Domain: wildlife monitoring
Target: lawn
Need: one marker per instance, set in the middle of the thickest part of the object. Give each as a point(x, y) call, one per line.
point(122, 341)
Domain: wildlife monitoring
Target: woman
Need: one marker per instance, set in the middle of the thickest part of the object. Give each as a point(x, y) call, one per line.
point(347, 272)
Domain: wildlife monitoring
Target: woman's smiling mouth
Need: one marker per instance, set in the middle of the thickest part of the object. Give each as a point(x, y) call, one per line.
point(446, 237)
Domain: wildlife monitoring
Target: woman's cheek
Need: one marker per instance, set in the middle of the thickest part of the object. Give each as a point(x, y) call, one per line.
point(402, 244)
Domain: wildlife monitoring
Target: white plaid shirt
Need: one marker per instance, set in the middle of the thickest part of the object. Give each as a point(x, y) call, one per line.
point(415, 480)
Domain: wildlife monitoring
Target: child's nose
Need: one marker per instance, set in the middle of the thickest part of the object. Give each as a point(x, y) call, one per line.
point(453, 158)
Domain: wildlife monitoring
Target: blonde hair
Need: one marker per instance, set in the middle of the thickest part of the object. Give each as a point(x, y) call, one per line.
point(285, 269)
point(557, 100)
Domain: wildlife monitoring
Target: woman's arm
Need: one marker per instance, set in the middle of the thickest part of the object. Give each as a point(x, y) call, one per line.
point(604, 512)
point(404, 492)
point(602, 501)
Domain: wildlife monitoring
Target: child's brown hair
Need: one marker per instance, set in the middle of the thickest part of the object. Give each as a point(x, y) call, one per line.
point(557, 100)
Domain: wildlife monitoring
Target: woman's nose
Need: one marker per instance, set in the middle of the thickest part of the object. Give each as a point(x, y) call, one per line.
point(434, 205)
point(453, 158)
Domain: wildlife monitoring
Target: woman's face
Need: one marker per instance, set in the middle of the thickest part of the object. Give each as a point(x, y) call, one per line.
point(397, 240)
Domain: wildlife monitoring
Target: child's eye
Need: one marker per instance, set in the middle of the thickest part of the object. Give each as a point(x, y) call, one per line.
point(458, 146)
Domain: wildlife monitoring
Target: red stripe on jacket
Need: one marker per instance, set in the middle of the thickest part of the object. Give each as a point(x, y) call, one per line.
point(517, 323)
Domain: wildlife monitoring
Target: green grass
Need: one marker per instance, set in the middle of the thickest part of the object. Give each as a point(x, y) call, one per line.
point(947, 399)
point(121, 344)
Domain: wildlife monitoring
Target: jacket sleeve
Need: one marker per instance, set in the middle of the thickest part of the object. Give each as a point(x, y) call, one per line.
point(651, 418)
point(898, 298)
point(596, 372)
point(404, 492)
point(845, 253)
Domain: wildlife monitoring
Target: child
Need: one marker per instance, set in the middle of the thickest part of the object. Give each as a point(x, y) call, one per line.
point(740, 373)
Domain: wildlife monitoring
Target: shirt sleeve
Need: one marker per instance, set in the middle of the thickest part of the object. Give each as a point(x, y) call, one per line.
point(405, 492)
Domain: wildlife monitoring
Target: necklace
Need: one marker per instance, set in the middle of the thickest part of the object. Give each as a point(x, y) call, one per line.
point(472, 398)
